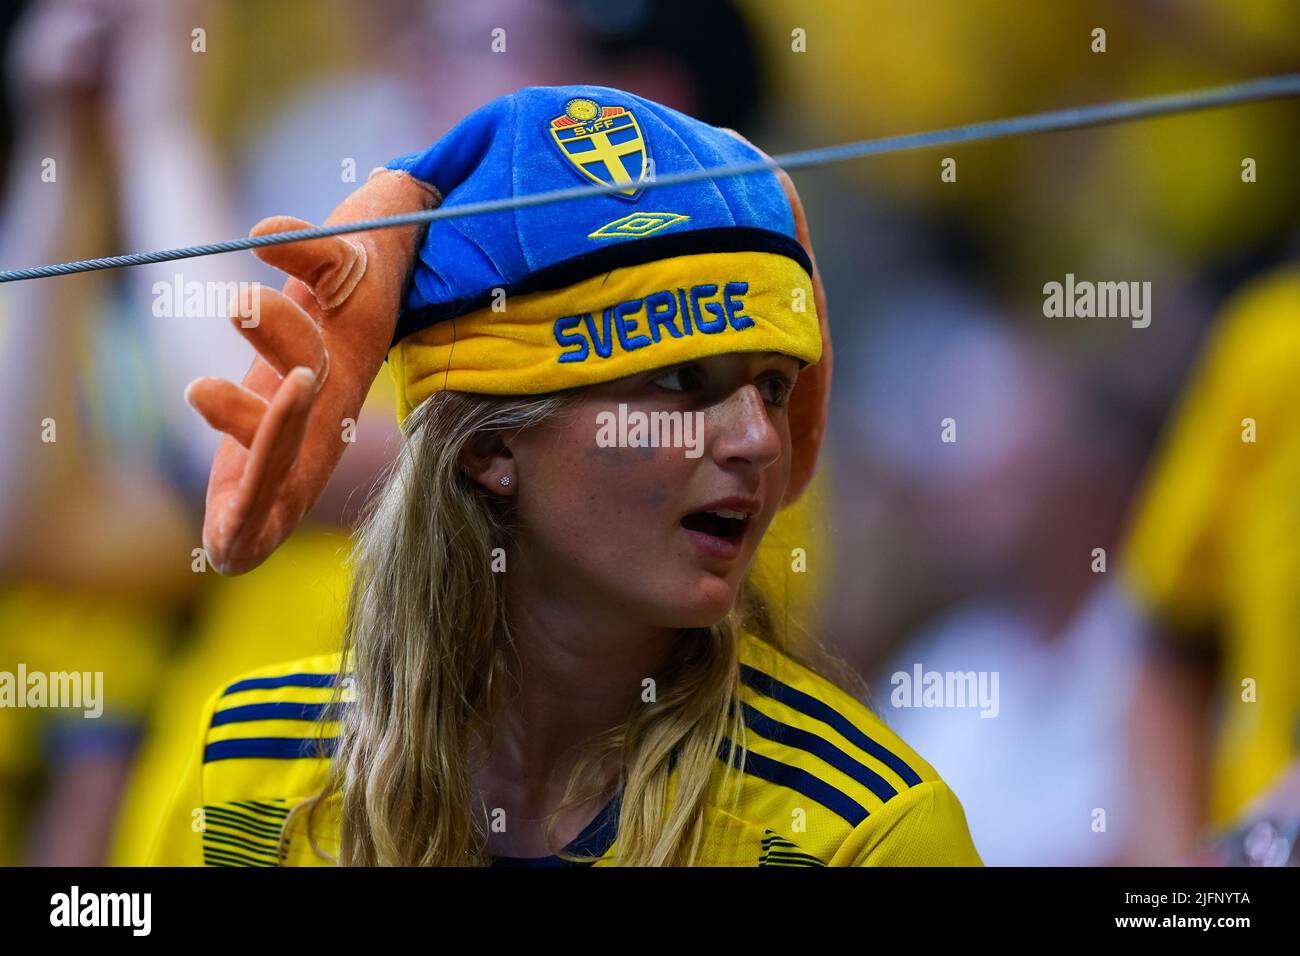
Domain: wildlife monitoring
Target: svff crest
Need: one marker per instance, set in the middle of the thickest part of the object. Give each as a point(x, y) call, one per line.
point(604, 143)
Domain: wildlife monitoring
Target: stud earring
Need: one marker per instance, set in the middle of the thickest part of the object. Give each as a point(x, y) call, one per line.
point(505, 481)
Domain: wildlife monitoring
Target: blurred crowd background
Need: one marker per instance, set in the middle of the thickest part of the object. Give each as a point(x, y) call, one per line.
point(1149, 705)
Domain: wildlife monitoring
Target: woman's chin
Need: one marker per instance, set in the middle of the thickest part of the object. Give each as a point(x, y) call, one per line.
point(704, 604)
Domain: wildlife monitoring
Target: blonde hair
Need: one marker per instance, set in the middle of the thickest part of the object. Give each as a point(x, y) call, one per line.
point(427, 647)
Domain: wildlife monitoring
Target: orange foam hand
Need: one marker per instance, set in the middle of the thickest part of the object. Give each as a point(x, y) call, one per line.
point(320, 343)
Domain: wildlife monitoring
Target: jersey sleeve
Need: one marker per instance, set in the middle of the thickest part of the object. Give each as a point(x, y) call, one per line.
point(924, 825)
point(179, 838)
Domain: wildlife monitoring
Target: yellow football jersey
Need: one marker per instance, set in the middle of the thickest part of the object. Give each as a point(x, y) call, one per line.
point(824, 782)
point(1215, 547)
point(291, 606)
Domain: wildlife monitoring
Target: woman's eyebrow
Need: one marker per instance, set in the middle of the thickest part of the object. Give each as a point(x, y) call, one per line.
point(786, 361)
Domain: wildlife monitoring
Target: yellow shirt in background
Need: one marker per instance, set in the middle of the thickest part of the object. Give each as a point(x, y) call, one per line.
point(1216, 542)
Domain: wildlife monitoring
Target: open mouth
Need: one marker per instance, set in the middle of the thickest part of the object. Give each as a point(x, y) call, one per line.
point(728, 526)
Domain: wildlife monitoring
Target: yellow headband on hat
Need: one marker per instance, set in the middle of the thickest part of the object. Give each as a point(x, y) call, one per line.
point(626, 321)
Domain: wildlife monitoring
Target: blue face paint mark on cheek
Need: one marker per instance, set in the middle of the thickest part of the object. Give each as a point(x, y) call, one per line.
point(623, 456)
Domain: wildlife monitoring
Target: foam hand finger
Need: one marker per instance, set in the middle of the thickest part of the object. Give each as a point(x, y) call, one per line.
point(245, 482)
point(330, 267)
point(227, 407)
point(284, 335)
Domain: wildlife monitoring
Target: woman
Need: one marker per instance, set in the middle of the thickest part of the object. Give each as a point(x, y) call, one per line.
point(553, 652)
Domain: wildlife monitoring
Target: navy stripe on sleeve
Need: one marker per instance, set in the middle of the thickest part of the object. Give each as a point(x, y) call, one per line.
point(284, 680)
point(274, 748)
point(765, 768)
point(799, 739)
point(820, 710)
point(276, 710)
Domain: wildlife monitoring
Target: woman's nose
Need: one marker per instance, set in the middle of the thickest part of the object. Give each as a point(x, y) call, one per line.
point(739, 428)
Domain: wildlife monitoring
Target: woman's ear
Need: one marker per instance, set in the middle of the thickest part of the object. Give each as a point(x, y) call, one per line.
point(486, 459)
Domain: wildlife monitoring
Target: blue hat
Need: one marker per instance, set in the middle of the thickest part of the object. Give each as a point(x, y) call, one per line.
point(545, 138)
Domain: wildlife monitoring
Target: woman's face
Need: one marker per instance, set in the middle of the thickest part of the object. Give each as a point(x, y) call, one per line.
point(663, 534)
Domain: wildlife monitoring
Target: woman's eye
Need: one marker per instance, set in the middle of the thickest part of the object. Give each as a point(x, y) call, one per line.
point(679, 379)
point(778, 390)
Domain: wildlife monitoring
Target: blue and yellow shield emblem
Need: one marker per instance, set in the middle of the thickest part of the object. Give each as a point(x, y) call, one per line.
point(604, 143)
